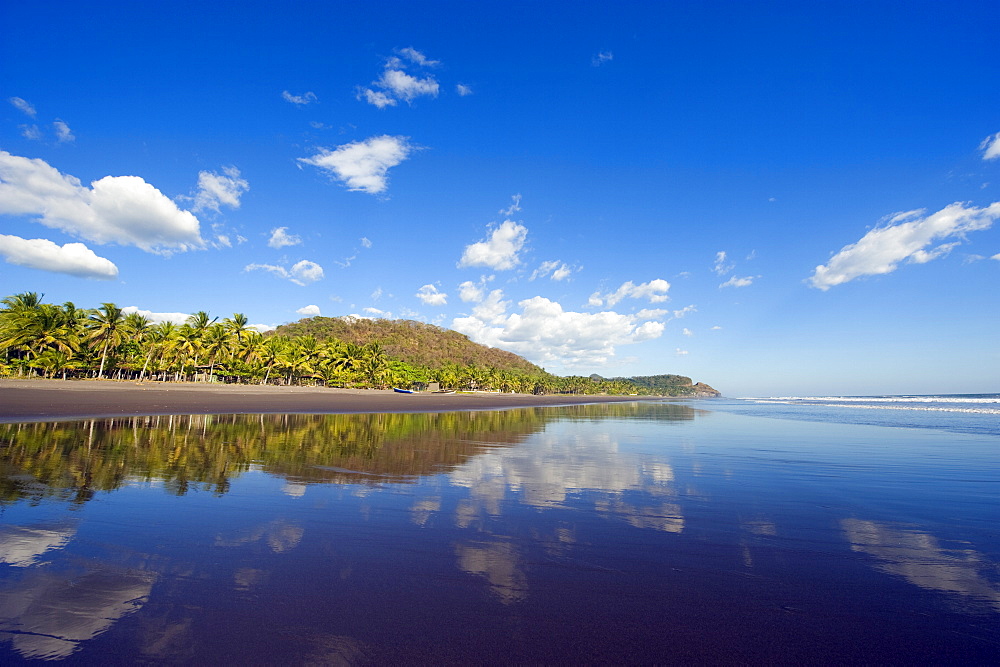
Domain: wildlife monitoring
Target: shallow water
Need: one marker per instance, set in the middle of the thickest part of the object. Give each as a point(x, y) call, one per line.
point(647, 532)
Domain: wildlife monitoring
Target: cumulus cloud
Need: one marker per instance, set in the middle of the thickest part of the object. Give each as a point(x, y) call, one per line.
point(301, 100)
point(991, 147)
point(157, 318)
point(63, 133)
point(463, 90)
point(74, 259)
point(396, 84)
point(301, 273)
point(280, 238)
point(23, 105)
point(601, 58)
point(905, 237)
point(362, 165)
point(544, 333)
point(430, 295)
point(216, 190)
point(736, 281)
point(471, 292)
point(555, 269)
point(500, 250)
point(115, 209)
point(654, 290)
point(311, 310)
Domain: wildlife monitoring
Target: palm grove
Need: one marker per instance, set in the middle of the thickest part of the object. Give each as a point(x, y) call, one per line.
point(51, 340)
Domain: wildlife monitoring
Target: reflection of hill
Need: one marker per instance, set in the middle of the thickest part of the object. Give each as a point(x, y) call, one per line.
point(74, 460)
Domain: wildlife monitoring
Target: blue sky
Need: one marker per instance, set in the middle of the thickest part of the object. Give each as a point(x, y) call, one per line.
point(774, 198)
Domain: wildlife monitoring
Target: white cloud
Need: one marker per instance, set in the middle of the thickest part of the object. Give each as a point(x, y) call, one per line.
point(417, 57)
point(654, 290)
point(687, 332)
point(301, 100)
point(280, 238)
point(904, 237)
point(492, 309)
point(515, 206)
point(74, 259)
point(721, 267)
point(365, 242)
point(362, 165)
point(996, 257)
point(601, 58)
point(680, 352)
point(499, 251)
point(23, 105)
point(30, 132)
point(63, 133)
point(716, 328)
point(463, 90)
point(115, 209)
point(430, 295)
point(684, 311)
point(402, 86)
point(311, 310)
point(262, 328)
point(378, 98)
point(991, 147)
point(544, 333)
point(555, 269)
point(397, 84)
point(215, 190)
point(736, 281)
point(302, 273)
point(157, 318)
point(470, 292)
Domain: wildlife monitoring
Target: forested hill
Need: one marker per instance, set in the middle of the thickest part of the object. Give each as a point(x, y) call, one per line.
point(413, 342)
point(667, 385)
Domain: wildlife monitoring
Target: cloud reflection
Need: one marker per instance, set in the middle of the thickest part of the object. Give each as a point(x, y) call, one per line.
point(917, 557)
point(498, 562)
point(555, 470)
point(47, 615)
point(23, 546)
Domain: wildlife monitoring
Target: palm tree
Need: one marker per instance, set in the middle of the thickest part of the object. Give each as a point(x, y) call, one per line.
point(236, 326)
point(106, 324)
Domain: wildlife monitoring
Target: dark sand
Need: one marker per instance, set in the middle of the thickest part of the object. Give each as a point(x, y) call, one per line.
point(52, 400)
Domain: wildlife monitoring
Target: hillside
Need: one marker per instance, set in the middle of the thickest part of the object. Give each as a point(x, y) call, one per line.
point(413, 342)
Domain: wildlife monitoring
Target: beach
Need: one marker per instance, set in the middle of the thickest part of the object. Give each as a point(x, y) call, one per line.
point(50, 400)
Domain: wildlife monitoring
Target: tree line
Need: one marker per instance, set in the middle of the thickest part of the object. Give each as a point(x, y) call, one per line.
point(53, 341)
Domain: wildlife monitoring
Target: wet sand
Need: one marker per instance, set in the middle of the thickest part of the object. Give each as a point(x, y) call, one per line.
point(51, 400)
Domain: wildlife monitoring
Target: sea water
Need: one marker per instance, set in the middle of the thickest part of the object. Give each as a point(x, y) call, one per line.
point(960, 413)
point(709, 532)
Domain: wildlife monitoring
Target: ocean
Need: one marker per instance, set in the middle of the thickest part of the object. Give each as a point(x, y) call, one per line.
point(959, 413)
point(835, 530)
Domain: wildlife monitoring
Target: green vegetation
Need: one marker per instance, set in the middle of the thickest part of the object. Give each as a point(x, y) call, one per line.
point(48, 340)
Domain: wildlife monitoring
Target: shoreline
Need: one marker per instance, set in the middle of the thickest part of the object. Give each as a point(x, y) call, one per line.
point(39, 400)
